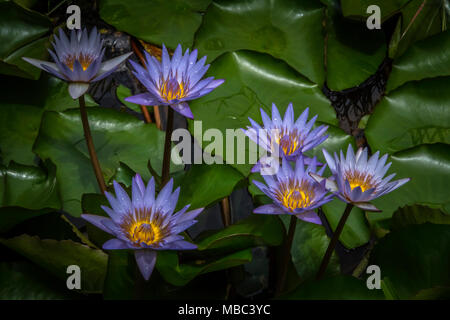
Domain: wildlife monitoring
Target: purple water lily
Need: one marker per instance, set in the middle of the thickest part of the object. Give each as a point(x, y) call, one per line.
point(173, 82)
point(284, 136)
point(145, 223)
point(294, 191)
point(358, 179)
point(78, 60)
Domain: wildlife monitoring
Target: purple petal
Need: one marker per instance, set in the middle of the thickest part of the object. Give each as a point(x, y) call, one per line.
point(330, 160)
point(165, 62)
point(40, 63)
point(111, 213)
point(276, 118)
point(122, 196)
point(109, 66)
point(145, 99)
point(146, 260)
point(269, 209)
point(289, 116)
point(309, 216)
point(184, 109)
point(55, 73)
point(149, 195)
point(180, 227)
point(256, 167)
point(180, 245)
point(366, 206)
point(329, 184)
point(301, 121)
point(115, 244)
point(97, 221)
point(77, 89)
point(190, 215)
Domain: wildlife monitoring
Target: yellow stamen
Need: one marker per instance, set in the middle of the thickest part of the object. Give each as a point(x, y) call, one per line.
point(295, 195)
point(171, 89)
point(288, 141)
point(145, 231)
point(84, 59)
point(358, 179)
point(144, 227)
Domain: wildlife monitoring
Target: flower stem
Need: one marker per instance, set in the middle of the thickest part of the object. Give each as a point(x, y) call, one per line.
point(226, 211)
point(333, 242)
point(90, 145)
point(167, 145)
point(146, 114)
point(157, 117)
point(286, 255)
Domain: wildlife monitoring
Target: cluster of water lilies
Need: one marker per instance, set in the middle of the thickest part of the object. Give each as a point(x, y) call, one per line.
point(146, 222)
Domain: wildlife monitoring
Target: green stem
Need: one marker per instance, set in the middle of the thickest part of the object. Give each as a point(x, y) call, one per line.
point(286, 255)
point(90, 145)
point(167, 145)
point(333, 242)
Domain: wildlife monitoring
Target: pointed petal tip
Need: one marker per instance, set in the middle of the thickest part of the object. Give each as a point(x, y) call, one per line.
point(367, 206)
point(77, 89)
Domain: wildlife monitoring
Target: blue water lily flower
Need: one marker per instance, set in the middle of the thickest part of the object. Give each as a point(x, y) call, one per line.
point(78, 60)
point(145, 223)
point(358, 179)
point(294, 191)
point(286, 137)
point(173, 82)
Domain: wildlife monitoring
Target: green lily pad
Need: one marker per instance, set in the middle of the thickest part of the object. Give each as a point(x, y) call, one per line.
point(165, 22)
point(203, 185)
point(20, 114)
point(415, 114)
point(337, 140)
point(172, 271)
point(120, 276)
point(356, 231)
point(22, 33)
point(124, 281)
point(20, 125)
point(427, 58)
point(340, 287)
point(20, 281)
point(91, 204)
point(61, 139)
point(123, 92)
point(248, 75)
point(291, 31)
point(29, 187)
point(257, 230)
point(55, 256)
point(429, 170)
point(415, 258)
point(354, 52)
point(419, 20)
point(308, 248)
point(124, 175)
point(417, 214)
point(13, 216)
point(357, 9)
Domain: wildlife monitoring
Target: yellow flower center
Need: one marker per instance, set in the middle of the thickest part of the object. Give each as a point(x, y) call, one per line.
point(358, 179)
point(84, 59)
point(171, 89)
point(145, 231)
point(294, 195)
point(138, 227)
point(288, 141)
point(295, 199)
